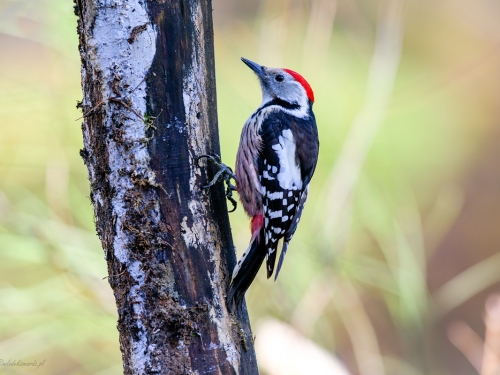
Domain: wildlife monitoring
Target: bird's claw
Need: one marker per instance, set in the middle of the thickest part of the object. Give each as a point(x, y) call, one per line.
point(224, 173)
point(229, 193)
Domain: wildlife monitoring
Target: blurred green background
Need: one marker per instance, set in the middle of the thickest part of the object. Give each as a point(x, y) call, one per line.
point(397, 250)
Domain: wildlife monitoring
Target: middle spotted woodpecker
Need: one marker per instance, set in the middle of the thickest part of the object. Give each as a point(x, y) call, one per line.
point(275, 162)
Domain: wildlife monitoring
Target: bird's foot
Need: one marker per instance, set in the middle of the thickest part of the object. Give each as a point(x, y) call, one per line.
point(224, 173)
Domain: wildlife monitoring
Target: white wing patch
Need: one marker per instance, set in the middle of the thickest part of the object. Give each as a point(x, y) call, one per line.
point(275, 195)
point(267, 176)
point(289, 177)
point(275, 214)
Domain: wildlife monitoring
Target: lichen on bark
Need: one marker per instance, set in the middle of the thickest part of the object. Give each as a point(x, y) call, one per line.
point(149, 110)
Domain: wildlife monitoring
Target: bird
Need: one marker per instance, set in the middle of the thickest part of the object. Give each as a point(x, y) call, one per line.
point(275, 162)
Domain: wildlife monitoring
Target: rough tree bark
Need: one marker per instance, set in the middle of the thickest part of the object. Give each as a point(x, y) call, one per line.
point(149, 108)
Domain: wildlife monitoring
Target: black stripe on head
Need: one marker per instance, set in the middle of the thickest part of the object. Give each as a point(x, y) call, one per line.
point(281, 103)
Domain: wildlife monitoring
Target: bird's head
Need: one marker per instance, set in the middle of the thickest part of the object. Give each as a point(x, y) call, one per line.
point(282, 84)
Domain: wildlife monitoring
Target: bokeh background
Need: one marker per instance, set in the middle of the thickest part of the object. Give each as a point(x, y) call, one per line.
point(396, 263)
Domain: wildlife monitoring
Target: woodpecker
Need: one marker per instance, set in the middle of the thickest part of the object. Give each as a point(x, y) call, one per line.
point(275, 162)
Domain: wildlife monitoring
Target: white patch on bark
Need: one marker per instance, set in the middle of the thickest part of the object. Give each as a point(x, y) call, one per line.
point(188, 236)
point(122, 68)
point(203, 233)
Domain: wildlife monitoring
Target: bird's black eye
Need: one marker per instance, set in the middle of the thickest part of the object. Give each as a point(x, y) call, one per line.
point(279, 78)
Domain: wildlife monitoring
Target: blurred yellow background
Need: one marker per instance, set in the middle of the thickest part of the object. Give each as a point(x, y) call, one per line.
point(398, 249)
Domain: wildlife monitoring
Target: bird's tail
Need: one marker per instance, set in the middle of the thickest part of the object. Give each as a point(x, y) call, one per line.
point(245, 271)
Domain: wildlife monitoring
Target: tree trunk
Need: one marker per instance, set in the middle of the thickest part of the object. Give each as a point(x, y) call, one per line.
point(149, 108)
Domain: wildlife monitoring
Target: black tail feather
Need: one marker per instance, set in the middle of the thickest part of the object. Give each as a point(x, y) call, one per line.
point(282, 257)
point(246, 274)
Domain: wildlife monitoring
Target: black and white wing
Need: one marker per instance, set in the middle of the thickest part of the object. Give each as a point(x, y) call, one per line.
point(286, 161)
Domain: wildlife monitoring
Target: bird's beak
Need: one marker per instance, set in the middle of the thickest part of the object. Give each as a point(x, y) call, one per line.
point(258, 69)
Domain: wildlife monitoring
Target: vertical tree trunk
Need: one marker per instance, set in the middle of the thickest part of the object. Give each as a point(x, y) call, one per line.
point(149, 109)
